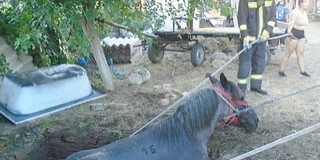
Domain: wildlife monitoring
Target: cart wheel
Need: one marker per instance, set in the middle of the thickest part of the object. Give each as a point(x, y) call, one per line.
point(197, 54)
point(268, 56)
point(155, 53)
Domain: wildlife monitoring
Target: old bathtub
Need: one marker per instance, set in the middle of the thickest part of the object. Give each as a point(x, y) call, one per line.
point(34, 91)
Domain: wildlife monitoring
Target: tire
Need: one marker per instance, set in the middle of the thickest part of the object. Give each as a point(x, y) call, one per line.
point(268, 56)
point(197, 54)
point(155, 53)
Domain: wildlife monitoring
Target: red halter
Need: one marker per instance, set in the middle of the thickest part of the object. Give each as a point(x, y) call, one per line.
point(232, 118)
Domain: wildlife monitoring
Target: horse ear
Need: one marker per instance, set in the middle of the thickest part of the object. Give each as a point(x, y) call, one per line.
point(212, 79)
point(223, 80)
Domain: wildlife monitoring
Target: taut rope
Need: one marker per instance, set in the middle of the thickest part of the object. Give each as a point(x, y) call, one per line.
point(193, 90)
point(201, 84)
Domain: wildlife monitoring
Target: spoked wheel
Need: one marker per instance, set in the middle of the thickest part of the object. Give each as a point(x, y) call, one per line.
point(197, 54)
point(268, 56)
point(155, 53)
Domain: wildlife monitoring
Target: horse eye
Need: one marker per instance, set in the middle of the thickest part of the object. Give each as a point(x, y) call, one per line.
point(239, 108)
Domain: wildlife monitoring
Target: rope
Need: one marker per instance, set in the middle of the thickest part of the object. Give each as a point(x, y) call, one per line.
point(279, 141)
point(192, 90)
point(201, 84)
point(278, 98)
point(277, 37)
point(284, 139)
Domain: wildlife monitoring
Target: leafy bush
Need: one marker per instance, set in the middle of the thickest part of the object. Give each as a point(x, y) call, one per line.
point(51, 30)
point(4, 66)
point(40, 29)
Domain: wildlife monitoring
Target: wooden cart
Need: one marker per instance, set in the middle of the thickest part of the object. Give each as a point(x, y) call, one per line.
point(197, 52)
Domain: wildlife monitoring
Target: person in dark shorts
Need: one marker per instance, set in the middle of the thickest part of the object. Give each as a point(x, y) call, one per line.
point(298, 21)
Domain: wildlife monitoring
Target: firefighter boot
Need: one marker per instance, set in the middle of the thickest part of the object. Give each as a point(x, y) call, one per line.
point(260, 91)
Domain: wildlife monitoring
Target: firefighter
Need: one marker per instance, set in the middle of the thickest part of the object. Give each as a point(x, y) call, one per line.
point(256, 19)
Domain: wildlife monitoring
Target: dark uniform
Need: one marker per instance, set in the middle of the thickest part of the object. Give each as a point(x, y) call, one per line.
point(256, 18)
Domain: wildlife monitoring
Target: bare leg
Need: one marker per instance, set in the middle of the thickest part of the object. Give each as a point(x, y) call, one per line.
point(300, 55)
point(290, 47)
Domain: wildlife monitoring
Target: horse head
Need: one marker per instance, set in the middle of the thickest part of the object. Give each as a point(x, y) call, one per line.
point(234, 97)
point(183, 135)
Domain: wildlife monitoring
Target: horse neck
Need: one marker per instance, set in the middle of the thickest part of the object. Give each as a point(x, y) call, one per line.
point(221, 112)
point(213, 110)
point(196, 118)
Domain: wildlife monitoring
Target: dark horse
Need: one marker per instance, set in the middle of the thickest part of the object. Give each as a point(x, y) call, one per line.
point(184, 135)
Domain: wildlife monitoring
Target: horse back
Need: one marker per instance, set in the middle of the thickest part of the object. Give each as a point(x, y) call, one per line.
point(144, 146)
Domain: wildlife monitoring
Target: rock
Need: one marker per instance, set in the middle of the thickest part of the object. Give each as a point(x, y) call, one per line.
point(139, 75)
point(219, 55)
point(107, 120)
point(158, 89)
point(217, 63)
point(167, 87)
point(164, 102)
point(70, 138)
point(174, 97)
point(164, 88)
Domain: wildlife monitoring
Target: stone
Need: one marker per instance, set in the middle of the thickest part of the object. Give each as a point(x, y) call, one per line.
point(164, 102)
point(139, 75)
point(219, 55)
point(107, 120)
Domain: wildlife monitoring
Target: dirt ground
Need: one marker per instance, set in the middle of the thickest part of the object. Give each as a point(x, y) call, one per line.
point(131, 106)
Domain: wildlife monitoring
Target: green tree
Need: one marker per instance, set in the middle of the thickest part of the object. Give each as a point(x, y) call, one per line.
point(59, 31)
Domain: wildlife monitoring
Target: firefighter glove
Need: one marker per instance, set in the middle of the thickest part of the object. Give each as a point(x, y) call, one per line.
point(264, 36)
point(246, 43)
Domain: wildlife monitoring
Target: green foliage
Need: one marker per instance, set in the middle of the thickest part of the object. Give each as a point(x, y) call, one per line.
point(226, 10)
point(51, 30)
point(42, 30)
point(9, 140)
point(4, 65)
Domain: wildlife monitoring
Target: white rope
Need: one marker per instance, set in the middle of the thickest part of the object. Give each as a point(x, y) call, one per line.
point(277, 37)
point(279, 98)
point(279, 141)
point(193, 90)
point(200, 84)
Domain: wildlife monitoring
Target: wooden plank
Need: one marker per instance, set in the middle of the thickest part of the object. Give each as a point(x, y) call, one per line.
point(217, 31)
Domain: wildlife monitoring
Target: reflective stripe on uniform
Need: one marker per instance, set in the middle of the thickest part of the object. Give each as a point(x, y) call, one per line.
point(260, 19)
point(252, 5)
point(256, 76)
point(266, 34)
point(243, 27)
point(242, 81)
point(267, 3)
point(252, 38)
point(271, 23)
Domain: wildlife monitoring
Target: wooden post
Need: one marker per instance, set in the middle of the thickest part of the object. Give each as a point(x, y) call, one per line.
point(88, 28)
point(234, 5)
point(103, 67)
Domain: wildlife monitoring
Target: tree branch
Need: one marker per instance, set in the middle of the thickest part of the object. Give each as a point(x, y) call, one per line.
point(110, 23)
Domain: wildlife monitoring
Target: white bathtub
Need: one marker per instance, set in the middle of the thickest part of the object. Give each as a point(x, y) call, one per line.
point(30, 92)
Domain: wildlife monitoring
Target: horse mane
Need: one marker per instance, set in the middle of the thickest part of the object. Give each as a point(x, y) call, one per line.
point(192, 115)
